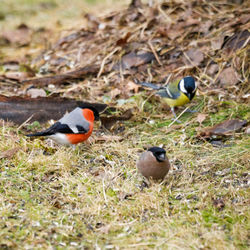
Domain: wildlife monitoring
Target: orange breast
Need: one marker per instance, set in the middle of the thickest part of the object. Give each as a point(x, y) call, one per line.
point(77, 138)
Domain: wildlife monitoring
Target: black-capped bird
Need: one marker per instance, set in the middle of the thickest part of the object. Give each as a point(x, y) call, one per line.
point(73, 127)
point(176, 93)
point(153, 163)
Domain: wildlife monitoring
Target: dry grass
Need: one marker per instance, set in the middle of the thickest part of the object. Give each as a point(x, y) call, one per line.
point(92, 196)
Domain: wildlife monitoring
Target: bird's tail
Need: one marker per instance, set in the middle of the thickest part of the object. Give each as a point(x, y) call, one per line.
point(149, 85)
point(43, 133)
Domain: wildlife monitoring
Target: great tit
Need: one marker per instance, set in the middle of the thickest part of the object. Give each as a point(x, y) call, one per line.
point(72, 128)
point(153, 163)
point(176, 93)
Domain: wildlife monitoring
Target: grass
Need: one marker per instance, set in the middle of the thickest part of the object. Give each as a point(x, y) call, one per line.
point(92, 196)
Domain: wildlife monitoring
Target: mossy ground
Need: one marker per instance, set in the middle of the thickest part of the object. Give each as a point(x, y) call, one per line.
point(92, 196)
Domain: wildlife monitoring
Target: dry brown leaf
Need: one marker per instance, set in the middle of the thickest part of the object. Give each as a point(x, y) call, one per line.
point(237, 41)
point(212, 69)
point(195, 57)
point(62, 78)
point(228, 76)
point(20, 36)
point(205, 26)
point(19, 76)
point(108, 122)
point(134, 60)
point(122, 41)
point(247, 130)
point(225, 128)
point(201, 118)
point(9, 153)
point(115, 92)
point(34, 93)
point(131, 86)
point(217, 43)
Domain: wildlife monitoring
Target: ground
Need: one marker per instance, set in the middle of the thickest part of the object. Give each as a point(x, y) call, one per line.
point(91, 196)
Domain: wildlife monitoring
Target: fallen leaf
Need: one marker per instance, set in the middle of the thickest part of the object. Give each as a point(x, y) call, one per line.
point(109, 121)
point(224, 128)
point(115, 92)
point(93, 21)
point(201, 118)
point(134, 60)
point(34, 93)
point(195, 57)
point(131, 86)
point(217, 43)
point(236, 41)
point(228, 76)
point(59, 79)
point(9, 153)
point(122, 41)
point(205, 26)
point(19, 76)
point(20, 36)
point(248, 130)
point(212, 69)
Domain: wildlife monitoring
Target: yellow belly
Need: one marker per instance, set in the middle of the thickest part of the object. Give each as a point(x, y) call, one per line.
point(180, 101)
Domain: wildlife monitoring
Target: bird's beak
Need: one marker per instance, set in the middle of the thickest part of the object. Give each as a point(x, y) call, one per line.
point(190, 96)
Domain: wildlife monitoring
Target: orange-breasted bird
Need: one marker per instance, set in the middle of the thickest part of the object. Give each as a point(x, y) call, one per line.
point(73, 127)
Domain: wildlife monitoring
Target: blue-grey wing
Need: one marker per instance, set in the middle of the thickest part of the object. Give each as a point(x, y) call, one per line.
point(75, 121)
point(167, 93)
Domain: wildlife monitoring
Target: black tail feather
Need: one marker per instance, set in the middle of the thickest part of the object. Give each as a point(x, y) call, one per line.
point(43, 133)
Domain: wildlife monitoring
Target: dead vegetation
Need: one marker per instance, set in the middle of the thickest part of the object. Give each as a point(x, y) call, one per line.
point(93, 197)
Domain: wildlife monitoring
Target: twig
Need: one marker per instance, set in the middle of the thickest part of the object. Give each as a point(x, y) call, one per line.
point(178, 116)
point(103, 189)
point(104, 60)
point(25, 122)
point(154, 52)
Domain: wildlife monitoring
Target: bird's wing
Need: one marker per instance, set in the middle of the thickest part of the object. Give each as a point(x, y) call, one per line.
point(170, 91)
point(58, 127)
point(76, 121)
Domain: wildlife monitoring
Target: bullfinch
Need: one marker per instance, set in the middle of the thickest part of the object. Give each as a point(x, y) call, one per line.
point(176, 93)
point(73, 127)
point(153, 163)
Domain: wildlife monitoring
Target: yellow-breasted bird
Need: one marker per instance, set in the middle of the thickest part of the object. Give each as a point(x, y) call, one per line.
point(176, 93)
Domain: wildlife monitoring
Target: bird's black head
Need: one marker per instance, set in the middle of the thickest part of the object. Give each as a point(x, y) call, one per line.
point(188, 86)
point(159, 153)
point(95, 111)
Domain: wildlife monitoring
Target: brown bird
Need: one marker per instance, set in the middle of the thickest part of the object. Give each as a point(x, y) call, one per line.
point(153, 163)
